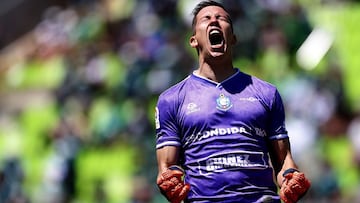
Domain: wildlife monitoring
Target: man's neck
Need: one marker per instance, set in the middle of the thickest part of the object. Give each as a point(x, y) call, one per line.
point(215, 71)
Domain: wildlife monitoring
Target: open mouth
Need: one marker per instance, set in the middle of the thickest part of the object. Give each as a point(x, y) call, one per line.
point(216, 38)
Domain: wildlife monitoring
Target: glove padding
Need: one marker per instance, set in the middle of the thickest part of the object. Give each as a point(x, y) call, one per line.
point(172, 186)
point(295, 186)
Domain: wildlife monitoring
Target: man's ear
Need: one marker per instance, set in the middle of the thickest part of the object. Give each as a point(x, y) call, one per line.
point(193, 42)
point(234, 39)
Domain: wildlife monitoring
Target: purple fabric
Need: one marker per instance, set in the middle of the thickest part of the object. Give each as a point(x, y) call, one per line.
point(223, 130)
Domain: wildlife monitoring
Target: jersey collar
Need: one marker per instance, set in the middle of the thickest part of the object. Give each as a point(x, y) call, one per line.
point(218, 84)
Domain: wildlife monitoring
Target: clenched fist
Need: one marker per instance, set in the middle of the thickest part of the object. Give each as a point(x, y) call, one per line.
point(172, 186)
point(295, 185)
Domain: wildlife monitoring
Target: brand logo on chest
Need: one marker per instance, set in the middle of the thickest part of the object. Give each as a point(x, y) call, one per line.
point(192, 107)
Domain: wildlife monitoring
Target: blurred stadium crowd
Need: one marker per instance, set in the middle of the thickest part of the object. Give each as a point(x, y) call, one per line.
point(78, 94)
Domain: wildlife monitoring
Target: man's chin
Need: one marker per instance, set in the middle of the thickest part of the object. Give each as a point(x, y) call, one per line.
point(216, 53)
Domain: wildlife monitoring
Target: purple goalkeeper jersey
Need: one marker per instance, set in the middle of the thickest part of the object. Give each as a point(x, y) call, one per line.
point(223, 131)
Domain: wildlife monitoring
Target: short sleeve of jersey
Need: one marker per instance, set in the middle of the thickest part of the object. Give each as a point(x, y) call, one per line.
point(165, 122)
point(277, 124)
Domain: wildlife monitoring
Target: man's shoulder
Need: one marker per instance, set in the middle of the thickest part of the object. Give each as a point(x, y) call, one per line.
point(257, 81)
point(175, 89)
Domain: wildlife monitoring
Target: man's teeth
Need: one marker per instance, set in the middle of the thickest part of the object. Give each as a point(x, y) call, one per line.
point(215, 32)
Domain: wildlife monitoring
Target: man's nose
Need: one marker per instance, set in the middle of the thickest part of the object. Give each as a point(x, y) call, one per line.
point(213, 18)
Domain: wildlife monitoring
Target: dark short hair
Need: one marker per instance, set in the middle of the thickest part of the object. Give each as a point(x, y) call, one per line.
point(202, 5)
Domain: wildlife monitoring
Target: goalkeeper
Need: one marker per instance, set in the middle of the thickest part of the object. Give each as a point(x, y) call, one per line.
point(220, 132)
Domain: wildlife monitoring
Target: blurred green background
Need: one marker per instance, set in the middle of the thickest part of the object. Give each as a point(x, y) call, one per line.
point(79, 80)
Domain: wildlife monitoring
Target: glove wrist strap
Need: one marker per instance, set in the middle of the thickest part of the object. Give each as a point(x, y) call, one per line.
point(289, 170)
point(176, 167)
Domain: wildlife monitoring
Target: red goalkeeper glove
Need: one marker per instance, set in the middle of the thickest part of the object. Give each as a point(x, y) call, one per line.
point(295, 186)
point(172, 186)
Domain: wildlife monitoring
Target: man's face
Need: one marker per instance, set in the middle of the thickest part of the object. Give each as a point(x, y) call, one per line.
point(213, 33)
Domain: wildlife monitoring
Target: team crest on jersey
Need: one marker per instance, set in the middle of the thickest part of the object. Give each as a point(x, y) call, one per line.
point(223, 103)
